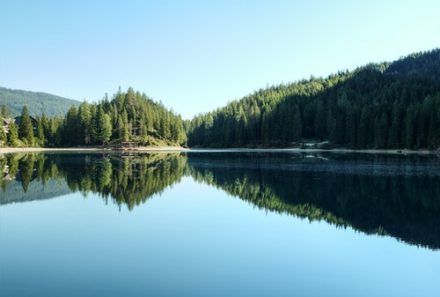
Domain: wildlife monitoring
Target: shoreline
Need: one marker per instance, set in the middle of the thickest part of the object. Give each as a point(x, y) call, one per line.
point(10, 150)
point(315, 150)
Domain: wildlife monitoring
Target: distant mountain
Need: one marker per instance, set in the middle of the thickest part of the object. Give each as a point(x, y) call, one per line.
point(37, 102)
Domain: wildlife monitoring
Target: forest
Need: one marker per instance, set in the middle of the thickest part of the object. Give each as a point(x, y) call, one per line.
point(387, 105)
point(128, 117)
point(37, 102)
point(378, 106)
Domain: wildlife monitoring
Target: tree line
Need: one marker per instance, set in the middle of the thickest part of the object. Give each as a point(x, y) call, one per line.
point(387, 105)
point(128, 117)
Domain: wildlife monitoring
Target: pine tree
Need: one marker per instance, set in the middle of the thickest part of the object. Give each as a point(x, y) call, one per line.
point(394, 133)
point(409, 128)
point(104, 126)
point(85, 118)
point(350, 127)
point(331, 128)
point(381, 131)
point(3, 138)
point(40, 133)
point(12, 135)
point(297, 124)
point(26, 130)
point(319, 123)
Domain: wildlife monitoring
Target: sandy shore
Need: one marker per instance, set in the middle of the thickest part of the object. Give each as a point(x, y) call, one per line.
point(9, 150)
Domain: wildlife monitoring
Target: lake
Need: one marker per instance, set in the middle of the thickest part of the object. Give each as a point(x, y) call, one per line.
point(219, 224)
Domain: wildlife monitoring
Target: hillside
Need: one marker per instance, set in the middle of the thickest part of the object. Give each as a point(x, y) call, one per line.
point(37, 102)
point(128, 117)
point(386, 105)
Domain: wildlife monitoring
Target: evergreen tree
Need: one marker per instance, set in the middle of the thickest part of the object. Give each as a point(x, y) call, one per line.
point(26, 130)
point(409, 128)
point(319, 122)
point(3, 138)
point(297, 124)
point(381, 131)
point(12, 135)
point(394, 133)
point(85, 119)
point(41, 141)
point(104, 126)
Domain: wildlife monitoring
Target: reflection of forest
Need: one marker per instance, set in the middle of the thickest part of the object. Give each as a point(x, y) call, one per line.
point(401, 200)
point(128, 180)
point(388, 195)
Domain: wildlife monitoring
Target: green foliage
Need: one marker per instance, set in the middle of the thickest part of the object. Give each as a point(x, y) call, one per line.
point(129, 116)
point(3, 137)
point(38, 103)
point(41, 141)
point(103, 127)
point(389, 105)
point(26, 129)
point(13, 135)
point(377, 106)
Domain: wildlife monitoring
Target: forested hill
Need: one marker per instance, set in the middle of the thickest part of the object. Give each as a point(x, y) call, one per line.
point(37, 102)
point(128, 117)
point(387, 105)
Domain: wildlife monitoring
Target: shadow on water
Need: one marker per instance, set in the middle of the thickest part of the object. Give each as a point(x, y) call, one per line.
point(391, 195)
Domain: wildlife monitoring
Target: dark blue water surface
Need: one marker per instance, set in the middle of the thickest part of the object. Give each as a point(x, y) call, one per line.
point(219, 224)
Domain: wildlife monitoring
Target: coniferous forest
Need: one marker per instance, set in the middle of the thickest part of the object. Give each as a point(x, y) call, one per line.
point(388, 105)
point(128, 117)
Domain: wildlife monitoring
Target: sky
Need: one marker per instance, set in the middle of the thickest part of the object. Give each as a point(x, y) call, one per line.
point(195, 56)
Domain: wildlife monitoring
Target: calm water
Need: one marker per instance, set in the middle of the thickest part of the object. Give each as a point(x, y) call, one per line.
point(219, 224)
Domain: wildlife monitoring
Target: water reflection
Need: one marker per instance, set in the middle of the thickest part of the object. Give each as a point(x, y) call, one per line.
point(397, 196)
point(127, 180)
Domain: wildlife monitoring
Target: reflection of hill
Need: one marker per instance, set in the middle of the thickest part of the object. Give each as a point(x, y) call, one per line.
point(128, 180)
point(390, 197)
point(36, 191)
point(397, 196)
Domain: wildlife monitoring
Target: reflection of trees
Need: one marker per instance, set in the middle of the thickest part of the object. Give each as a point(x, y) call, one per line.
point(375, 195)
point(23, 167)
point(401, 205)
point(126, 180)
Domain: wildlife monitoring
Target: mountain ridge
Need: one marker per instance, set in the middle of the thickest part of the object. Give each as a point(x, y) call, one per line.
point(37, 102)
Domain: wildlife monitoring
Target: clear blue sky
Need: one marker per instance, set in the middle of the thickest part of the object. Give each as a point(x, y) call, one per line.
point(195, 56)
